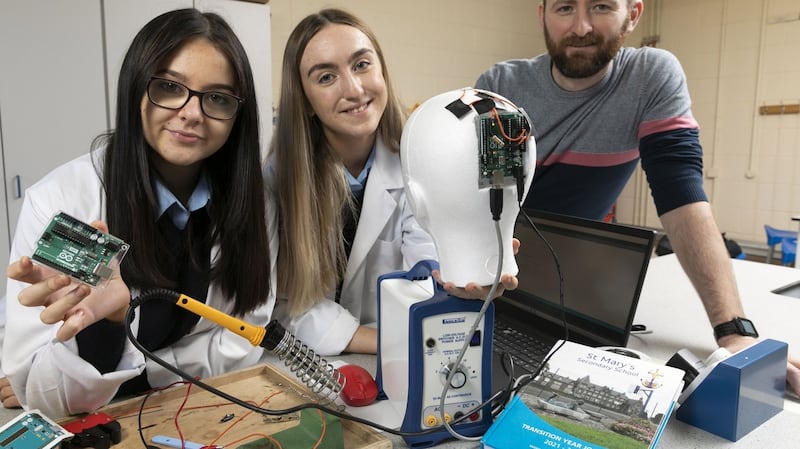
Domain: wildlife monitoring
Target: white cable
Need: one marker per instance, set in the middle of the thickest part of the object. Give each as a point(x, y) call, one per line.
point(468, 339)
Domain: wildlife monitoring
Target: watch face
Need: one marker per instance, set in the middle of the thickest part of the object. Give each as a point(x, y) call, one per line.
point(747, 326)
point(741, 326)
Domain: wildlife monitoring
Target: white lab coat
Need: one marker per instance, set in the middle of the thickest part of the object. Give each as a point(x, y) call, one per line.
point(388, 239)
point(49, 375)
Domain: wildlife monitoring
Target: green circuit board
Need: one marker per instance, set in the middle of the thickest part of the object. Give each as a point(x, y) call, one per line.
point(499, 153)
point(31, 430)
point(79, 250)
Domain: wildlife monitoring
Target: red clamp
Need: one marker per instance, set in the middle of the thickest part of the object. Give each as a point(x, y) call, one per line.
point(95, 430)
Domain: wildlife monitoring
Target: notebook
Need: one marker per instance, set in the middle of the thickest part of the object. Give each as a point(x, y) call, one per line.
point(603, 265)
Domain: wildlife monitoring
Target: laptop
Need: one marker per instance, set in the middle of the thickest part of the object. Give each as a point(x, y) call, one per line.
point(603, 266)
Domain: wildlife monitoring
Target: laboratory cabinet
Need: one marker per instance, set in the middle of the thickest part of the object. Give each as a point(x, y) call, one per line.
point(59, 63)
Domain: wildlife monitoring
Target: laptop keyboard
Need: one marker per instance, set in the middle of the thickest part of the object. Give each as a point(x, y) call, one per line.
point(526, 350)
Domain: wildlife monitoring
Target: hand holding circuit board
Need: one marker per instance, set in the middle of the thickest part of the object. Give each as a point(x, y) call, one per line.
point(67, 291)
point(82, 251)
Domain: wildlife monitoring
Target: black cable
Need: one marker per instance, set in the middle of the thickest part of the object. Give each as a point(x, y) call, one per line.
point(496, 202)
point(557, 262)
point(519, 177)
point(168, 294)
point(561, 301)
point(496, 206)
point(139, 417)
point(504, 394)
point(511, 389)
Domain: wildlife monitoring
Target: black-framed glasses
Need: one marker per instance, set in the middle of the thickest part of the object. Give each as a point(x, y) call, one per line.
point(171, 94)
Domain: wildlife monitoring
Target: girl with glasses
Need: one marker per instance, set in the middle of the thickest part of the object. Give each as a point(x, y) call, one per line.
point(180, 180)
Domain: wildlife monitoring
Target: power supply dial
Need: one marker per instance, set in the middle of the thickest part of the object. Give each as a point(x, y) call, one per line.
point(459, 376)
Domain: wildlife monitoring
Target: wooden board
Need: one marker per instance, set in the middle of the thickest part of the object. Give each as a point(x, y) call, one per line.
point(199, 419)
point(779, 109)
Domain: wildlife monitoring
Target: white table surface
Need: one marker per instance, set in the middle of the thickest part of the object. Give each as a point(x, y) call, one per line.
point(669, 308)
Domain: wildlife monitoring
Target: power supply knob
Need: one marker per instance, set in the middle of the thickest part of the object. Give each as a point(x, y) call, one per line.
point(459, 378)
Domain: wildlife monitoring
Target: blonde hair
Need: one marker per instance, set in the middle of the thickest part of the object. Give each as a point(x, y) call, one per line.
point(310, 182)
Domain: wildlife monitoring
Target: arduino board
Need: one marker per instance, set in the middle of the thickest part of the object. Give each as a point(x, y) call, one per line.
point(31, 430)
point(79, 250)
point(502, 138)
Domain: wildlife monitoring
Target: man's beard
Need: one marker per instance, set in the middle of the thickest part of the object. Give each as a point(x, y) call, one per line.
point(581, 65)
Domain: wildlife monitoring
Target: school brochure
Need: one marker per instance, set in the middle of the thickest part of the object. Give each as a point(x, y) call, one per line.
point(589, 398)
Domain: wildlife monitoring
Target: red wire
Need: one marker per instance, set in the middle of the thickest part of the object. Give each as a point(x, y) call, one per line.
point(131, 414)
point(249, 412)
point(269, 437)
point(183, 407)
point(178, 413)
point(522, 134)
point(322, 431)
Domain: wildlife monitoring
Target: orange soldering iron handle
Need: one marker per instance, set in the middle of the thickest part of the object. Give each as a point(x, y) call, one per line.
point(253, 334)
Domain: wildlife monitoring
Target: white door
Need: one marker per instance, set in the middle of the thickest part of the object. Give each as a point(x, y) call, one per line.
point(123, 19)
point(52, 92)
point(251, 23)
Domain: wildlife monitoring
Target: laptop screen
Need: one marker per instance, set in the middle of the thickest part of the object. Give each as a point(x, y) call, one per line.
point(603, 265)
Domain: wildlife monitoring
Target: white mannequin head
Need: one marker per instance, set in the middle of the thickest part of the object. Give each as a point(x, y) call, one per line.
point(448, 185)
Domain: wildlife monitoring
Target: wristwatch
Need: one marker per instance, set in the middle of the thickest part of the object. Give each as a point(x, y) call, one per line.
point(738, 326)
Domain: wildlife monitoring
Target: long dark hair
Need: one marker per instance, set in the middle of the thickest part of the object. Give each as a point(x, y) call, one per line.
point(237, 209)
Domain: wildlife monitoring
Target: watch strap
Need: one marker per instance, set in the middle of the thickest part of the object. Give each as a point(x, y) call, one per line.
point(735, 326)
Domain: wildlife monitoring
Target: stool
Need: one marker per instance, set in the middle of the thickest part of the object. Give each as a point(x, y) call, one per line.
point(774, 237)
point(788, 250)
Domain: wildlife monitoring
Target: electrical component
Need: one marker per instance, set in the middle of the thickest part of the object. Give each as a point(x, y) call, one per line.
point(421, 333)
point(735, 393)
point(325, 381)
point(31, 430)
point(502, 137)
point(79, 250)
point(685, 360)
point(455, 149)
point(95, 430)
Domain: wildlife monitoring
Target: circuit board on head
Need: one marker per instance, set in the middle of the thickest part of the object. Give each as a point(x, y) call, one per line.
point(502, 137)
point(79, 250)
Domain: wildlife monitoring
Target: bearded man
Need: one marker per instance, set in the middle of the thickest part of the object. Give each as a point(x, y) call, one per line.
point(598, 108)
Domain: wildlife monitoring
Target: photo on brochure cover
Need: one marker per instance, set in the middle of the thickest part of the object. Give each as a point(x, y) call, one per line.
point(606, 399)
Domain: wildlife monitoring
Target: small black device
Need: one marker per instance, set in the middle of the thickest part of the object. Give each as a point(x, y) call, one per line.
point(689, 363)
point(738, 325)
point(623, 351)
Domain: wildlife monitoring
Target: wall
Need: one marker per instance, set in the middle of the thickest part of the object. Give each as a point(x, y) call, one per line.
point(737, 54)
point(430, 46)
point(756, 156)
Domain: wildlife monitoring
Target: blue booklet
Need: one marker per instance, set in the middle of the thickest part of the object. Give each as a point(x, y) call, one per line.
point(588, 398)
